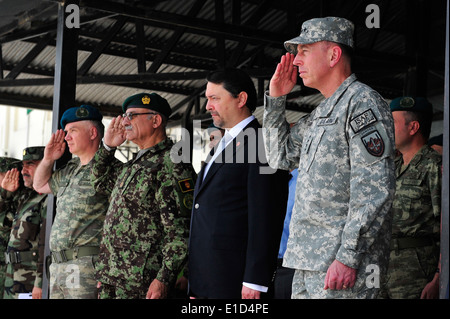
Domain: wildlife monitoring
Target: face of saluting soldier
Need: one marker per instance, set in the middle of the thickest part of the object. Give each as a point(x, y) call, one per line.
point(141, 126)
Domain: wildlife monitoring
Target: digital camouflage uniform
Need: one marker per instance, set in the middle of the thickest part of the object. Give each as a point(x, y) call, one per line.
point(80, 213)
point(344, 151)
point(6, 217)
point(147, 225)
point(416, 225)
point(25, 253)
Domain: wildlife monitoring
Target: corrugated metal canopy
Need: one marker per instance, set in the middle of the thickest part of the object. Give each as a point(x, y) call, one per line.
point(180, 41)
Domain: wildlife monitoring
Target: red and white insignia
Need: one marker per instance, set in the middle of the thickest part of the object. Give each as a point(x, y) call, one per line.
point(374, 143)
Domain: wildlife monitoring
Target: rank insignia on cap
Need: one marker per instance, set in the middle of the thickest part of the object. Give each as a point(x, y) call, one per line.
point(82, 112)
point(374, 143)
point(24, 152)
point(186, 185)
point(146, 100)
point(407, 102)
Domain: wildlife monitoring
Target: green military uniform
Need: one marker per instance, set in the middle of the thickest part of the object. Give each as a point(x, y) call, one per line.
point(77, 229)
point(416, 211)
point(25, 251)
point(146, 229)
point(344, 151)
point(6, 217)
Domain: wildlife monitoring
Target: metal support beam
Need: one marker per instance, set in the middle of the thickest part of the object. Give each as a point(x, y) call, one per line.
point(63, 98)
point(443, 278)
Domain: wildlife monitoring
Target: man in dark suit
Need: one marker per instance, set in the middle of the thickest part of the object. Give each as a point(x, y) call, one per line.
point(239, 201)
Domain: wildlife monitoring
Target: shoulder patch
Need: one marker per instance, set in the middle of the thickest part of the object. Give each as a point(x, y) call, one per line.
point(186, 185)
point(374, 143)
point(361, 121)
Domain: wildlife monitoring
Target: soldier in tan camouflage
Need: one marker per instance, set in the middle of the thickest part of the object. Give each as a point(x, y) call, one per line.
point(80, 210)
point(7, 212)
point(344, 150)
point(414, 260)
point(144, 244)
point(25, 252)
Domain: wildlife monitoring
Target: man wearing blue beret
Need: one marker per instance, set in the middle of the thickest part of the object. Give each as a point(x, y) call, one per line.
point(80, 208)
point(144, 244)
point(414, 257)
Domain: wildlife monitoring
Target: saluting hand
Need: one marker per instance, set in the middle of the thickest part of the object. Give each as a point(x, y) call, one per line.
point(11, 180)
point(56, 146)
point(115, 133)
point(284, 78)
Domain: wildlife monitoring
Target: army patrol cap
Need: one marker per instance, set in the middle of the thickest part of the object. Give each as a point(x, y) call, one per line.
point(7, 163)
point(332, 29)
point(81, 113)
point(151, 101)
point(33, 153)
point(412, 104)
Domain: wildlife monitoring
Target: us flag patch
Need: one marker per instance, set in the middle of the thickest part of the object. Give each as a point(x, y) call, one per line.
point(374, 143)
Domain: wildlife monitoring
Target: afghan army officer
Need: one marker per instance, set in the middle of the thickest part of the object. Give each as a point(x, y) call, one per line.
point(80, 210)
point(25, 252)
point(146, 231)
point(6, 215)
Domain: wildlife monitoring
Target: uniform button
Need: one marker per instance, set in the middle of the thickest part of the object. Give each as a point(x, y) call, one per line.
point(197, 206)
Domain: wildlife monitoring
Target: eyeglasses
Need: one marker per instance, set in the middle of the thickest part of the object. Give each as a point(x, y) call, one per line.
point(131, 115)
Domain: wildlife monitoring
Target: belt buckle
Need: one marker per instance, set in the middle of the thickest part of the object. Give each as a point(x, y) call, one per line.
point(17, 256)
point(63, 256)
point(59, 256)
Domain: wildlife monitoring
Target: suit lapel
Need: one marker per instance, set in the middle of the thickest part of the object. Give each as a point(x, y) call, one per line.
point(230, 152)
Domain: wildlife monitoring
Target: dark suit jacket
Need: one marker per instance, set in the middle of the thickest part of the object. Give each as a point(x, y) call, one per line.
point(237, 220)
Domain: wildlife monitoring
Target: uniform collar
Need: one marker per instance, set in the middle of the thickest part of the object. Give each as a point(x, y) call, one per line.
point(326, 106)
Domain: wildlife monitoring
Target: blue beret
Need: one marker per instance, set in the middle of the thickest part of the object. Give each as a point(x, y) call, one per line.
point(151, 101)
point(82, 113)
point(412, 104)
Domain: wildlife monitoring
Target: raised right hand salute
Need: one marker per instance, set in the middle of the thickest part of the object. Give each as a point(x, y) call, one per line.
point(56, 146)
point(11, 180)
point(285, 76)
point(115, 133)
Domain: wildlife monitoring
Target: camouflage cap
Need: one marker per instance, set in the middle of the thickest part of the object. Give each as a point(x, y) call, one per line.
point(332, 29)
point(412, 104)
point(7, 163)
point(81, 113)
point(33, 153)
point(151, 101)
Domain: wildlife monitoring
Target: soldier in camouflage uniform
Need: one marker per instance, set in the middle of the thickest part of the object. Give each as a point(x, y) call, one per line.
point(6, 215)
point(144, 245)
point(344, 150)
point(80, 210)
point(25, 252)
point(417, 204)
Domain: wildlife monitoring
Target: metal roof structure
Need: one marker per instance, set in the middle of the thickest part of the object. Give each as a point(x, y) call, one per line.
point(168, 46)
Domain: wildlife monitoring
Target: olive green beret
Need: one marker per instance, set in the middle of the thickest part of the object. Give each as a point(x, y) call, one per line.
point(412, 104)
point(151, 101)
